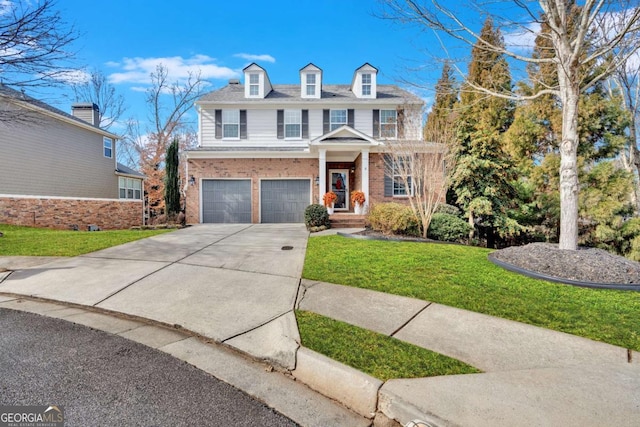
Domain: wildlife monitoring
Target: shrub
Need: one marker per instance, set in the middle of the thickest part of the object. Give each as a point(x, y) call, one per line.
point(394, 218)
point(448, 209)
point(316, 216)
point(630, 236)
point(448, 228)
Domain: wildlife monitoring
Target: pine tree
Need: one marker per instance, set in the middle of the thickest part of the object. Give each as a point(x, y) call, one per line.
point(172, 180)
point(441, 121)
point(483, 180)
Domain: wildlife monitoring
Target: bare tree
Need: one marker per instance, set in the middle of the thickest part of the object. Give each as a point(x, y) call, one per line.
point(581, 54)
point(418, 168)
point(168, 103)
point(99, 91)
point(35, 43)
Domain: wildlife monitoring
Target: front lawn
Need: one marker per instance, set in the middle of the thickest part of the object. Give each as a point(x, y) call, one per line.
point(378, 355)
point(29, 241)
point(461, 276)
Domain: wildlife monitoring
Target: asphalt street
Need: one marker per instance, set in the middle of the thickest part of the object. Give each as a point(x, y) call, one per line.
point(105, 380)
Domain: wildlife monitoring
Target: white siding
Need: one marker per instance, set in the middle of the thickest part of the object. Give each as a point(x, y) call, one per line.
point(208, 127)
point(315, 124)
point(261, 125)
point(363, 121)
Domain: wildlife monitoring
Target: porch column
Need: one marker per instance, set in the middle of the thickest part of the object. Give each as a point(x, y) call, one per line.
point(322, 173)
point(365, 177)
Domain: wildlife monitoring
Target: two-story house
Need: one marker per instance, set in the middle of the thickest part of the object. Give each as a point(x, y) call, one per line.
point(267, 151)
point(59, 170)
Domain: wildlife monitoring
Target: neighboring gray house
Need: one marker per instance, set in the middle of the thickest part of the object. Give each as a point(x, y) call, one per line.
point(59, 170)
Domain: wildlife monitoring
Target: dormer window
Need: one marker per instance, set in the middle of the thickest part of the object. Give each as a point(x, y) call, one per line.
point(311, 84)
point(366, 84)
point(254, 84)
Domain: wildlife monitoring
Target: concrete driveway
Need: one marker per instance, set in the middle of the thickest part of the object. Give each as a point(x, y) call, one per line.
point(233, 283)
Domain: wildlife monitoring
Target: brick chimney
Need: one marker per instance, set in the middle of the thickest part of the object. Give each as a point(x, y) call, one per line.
point(88, 112)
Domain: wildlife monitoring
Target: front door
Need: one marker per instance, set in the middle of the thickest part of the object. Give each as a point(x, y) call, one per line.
point(339, 184)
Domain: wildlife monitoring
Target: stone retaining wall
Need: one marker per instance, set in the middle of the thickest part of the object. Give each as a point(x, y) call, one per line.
point(65, 213)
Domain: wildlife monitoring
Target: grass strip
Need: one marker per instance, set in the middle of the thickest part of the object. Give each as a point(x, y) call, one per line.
point(463, 277)
point(378, 355)
point(30, 241)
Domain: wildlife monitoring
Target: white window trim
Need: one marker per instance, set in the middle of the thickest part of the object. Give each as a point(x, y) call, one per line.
point(231, 138)
point(108, 140)
point(255, 85)
point(129, 185)
point(381, 133)
point(299, 123)
point(366, 84)
point(393, 182)
point(331, 122)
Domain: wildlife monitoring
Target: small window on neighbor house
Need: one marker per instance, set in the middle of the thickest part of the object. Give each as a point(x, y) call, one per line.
point(388, 124)
point(254, 84)
point(130, 188)
point(337, 118)
point(231, 123)
point(292, 124)
point(366, 84)
point(311, 84)
point(107, 145)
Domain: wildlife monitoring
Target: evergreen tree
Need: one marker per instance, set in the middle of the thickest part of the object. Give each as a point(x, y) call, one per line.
point(172, 180)
point(441, 121)
point(484, 176)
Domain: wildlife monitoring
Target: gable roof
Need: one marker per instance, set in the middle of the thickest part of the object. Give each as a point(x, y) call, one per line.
point(345, 134)
point(27, 101)
point(331, 94)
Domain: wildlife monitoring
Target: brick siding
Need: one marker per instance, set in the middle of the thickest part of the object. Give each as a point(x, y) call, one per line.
point(253, 169)
point(65, 213)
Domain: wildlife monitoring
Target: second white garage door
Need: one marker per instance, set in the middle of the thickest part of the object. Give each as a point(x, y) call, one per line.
point(284, 200)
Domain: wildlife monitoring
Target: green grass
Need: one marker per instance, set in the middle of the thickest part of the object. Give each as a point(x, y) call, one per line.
point(29, 241)
point(462, 276)
point(378, 355)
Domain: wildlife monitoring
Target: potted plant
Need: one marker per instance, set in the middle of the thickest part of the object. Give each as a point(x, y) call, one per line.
point(358, 199)
point(329, 199)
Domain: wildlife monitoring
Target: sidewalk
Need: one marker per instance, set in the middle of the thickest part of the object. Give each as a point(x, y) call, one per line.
point(238, 285)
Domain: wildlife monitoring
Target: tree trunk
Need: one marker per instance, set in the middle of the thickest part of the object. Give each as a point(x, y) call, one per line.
point(634, 166)
point(569, 96)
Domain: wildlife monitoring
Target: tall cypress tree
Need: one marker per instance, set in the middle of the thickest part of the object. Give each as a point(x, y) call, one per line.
point(440, 124)
point(172, 177)
point(484, 176)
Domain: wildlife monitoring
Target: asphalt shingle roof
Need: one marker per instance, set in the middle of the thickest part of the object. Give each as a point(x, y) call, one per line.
point(234, 93)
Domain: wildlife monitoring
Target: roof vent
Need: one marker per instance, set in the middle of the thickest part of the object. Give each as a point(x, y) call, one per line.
point(234, 81)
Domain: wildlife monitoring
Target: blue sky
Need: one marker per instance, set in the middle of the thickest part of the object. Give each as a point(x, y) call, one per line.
point(127, 39)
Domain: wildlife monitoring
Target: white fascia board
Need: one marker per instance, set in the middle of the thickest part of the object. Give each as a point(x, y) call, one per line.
point(250, 154)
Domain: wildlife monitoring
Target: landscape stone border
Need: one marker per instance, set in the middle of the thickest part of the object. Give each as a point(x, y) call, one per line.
point(541, 276)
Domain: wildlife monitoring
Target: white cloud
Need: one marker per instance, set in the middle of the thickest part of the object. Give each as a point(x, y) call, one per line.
point(137, 70)
point(522, 38)
point(73, 76)
point(255, 58)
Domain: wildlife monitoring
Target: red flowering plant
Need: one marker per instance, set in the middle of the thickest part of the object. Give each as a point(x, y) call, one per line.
point(329, 198)
point(357, 197)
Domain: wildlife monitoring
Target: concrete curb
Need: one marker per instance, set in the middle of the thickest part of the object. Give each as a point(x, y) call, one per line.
point(354, 389)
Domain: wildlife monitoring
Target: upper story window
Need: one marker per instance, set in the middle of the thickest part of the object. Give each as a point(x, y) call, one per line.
point(107, 146)
point(366, 84)
point(231, 123)
point(254, 84)
point(337, 118)
point(130, 188)
point(311, 84)
point(293, 124)
point(388, 124)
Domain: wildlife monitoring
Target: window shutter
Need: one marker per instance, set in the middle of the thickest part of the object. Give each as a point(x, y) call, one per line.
point(388, 179)
point(326, 124)
point(218, 119)
point(243, 124)
point(400, 123)
point(350, 114)
point(280, 124)
point(376, 123)
point(305, 124)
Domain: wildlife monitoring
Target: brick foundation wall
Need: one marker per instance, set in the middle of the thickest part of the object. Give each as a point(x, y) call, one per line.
point(254, 169)
point(64, 213)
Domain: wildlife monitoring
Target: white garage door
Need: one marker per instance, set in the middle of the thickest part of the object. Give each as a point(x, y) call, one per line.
point(284, 200)
point(226, 200)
